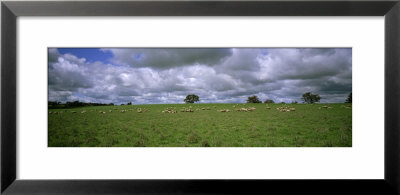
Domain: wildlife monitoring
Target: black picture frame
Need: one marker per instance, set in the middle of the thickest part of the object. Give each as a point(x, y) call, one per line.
point(10, 10)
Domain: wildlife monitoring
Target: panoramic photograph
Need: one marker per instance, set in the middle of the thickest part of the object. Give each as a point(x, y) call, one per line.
point(199, 97)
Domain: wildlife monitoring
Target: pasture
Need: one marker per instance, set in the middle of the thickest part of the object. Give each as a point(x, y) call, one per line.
point(158, 125)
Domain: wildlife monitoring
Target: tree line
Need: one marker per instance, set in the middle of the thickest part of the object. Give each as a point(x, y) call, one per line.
point(74, 104)
point(307, 97)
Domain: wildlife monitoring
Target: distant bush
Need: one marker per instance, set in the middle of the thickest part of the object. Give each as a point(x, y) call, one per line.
point(269, 102)
point(349, 99)
point(253, 99)
point(192, 98)
point(310, 98)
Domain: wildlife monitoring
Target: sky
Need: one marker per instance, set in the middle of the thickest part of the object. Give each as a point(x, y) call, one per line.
point(216, 75)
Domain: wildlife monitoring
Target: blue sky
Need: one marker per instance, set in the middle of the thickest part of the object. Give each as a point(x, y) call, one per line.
point(216, 75)
point(90, 54)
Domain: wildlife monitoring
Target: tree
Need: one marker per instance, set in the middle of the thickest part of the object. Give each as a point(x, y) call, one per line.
point(191, 98)
point(348, 100)
point(253, 99)
point(269, 102)
point(129, 103)
point(311, 98)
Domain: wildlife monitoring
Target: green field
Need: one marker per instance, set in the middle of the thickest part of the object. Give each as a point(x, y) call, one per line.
point(308, 126)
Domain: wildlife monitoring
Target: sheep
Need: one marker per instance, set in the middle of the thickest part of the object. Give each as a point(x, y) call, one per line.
point(110, 111)
point(169, 110)
point(187, 109)
point(139, 110)
point(243, 109)
point(223, 110)
point(251, 109)
point(83, 111)
point(286, 109)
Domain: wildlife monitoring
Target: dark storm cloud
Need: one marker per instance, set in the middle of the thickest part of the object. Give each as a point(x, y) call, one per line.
point(169, 57)
point(216, 75)
point(53, 55)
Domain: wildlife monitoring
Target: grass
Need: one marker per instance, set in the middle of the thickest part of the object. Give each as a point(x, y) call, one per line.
point(308, 126)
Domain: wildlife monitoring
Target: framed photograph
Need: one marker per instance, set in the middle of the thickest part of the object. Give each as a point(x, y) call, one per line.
point(194, 97)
